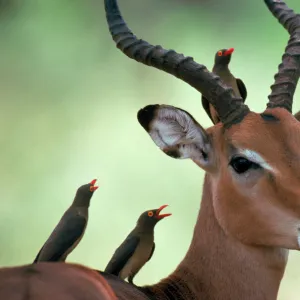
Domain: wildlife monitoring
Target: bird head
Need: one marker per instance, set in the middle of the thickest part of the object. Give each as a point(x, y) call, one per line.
point(89, 188)
point(85, 193)
point(223, 56)
point(152, 216)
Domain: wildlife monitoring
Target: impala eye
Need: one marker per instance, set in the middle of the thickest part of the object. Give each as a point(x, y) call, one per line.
point(241, 164)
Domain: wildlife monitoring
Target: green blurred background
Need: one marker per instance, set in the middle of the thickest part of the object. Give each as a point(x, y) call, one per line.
point(69, 100)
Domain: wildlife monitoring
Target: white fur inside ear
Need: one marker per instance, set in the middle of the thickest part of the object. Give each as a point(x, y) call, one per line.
point(194, 152)
point(173, 128)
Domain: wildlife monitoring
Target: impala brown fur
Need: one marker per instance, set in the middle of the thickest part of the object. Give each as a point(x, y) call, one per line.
point(49, 281)
point(267, 196)
point(250, 209)
point(217, 266)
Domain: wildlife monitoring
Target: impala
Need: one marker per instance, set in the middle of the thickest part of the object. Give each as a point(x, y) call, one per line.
point(250, 208)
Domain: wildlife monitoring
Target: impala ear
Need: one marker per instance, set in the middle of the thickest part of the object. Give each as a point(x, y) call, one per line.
point(176, 133)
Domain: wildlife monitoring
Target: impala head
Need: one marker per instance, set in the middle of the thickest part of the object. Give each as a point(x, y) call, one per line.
point(253, 160)
point(253, 166)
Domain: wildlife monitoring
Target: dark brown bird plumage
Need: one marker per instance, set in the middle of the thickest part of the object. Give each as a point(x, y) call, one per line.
point(70, 229)
point(137, 248)
point(221, 68)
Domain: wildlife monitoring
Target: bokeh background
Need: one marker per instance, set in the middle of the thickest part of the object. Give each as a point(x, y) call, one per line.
point(69, 100)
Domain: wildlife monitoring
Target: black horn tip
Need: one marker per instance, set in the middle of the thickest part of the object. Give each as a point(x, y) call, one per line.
point(111, 7)
point(146, 115)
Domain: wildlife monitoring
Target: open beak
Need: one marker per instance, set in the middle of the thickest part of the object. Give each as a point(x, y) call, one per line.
point(93, 187)
point(228, 51)
point(161, 216)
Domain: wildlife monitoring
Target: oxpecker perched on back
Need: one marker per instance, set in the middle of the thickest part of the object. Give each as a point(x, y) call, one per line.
point(70, 229)
point(137, 248)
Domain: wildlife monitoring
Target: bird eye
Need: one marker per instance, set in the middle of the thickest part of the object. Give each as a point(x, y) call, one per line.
point(150, 213)
point(220, 53)
point(242, 164)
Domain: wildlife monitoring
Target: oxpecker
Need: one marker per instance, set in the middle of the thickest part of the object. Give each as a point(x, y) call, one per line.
point(70, 229)
point(137, 248)
point(221, 68)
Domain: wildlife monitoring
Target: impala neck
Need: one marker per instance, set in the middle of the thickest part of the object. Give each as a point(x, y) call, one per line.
point(219, 267)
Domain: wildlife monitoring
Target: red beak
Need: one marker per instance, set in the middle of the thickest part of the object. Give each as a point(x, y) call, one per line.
point(93, 182)
point(158, 216)
point(93, 188)
point(228, 51)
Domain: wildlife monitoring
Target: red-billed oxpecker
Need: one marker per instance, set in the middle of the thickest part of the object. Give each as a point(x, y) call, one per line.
point(137, 248)
point(221, 68)
point(71, 227)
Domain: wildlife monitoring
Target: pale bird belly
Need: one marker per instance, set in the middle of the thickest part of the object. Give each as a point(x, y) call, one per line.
point(136, 262)
point(234, 87)
point(229, 80)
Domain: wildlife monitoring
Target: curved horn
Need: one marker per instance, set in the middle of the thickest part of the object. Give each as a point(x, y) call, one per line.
point(289, 70)
point(230, 108)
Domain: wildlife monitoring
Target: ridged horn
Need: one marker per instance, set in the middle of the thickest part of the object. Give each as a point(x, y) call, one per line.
point(230, 109)
point(283, 90)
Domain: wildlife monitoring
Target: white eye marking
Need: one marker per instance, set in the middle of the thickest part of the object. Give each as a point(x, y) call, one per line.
point(257, 158)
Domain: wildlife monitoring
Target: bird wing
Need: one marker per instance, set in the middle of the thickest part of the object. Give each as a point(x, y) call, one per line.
point(205, 105)
point(64, 236)
point(122, 255)
point(242, 88)
point(153, 248)
point(38, 255)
